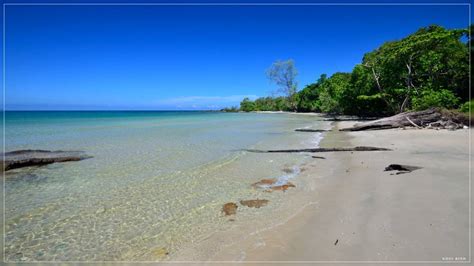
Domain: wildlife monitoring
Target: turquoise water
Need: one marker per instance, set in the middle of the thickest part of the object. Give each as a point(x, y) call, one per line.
point(156, 182)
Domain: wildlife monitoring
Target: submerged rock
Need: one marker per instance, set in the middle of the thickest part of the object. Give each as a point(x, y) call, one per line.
point(230, 208)
point(256, 203)
point(24, 158)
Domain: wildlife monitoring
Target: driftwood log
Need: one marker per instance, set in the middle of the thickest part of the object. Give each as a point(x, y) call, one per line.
point(358, 148)
point(430, 118)
point(24, 158)
point(328, 117)
point(311, 130)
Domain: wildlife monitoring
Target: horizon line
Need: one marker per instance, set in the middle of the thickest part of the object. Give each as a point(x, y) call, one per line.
point(240, 4)
point(118, 110)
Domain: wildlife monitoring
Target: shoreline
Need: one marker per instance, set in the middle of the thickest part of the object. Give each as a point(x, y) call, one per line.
point(343, 206)
point(286, 112)
point(361, 213)
point(148, 214)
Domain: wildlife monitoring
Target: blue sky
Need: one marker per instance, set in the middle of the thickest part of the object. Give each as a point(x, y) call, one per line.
point(188, 57)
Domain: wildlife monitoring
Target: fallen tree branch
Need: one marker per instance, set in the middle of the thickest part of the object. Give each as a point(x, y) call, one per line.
point(358, 148)
point(447, 119)
point(311, 130)
point(415, 125)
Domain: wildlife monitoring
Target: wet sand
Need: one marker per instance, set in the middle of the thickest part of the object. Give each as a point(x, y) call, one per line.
point(359, 212)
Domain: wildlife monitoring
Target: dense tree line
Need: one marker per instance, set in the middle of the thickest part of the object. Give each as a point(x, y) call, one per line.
point(425, 69)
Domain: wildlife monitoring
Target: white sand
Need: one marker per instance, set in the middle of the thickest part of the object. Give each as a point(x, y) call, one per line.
point(373, 215)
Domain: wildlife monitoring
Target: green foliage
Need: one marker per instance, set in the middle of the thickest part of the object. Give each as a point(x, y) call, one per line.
point(281, 104)
point(429, 68)
point(232, 109)
point(431, 98)
point(247, 105)
point(465, 107)
point(333, 93)
point(308, 97)
point(265, 104)
point(433, 58)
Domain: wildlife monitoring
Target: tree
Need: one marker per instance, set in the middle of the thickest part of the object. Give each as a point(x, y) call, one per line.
point(433, 58)
point(283, 74)
point(425, 69)
point(309, 96)
point(333, 95)
point(247, 105)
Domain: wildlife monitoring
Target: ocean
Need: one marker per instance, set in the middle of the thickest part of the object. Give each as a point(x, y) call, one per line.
point(155, 185)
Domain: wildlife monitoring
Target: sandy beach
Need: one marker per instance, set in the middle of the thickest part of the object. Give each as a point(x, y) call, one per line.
point(361, 213)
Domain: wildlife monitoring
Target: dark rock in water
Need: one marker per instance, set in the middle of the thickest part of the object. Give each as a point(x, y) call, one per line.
point(24, 158)
point(256, 203)
point(401, 168)
point(229, 208)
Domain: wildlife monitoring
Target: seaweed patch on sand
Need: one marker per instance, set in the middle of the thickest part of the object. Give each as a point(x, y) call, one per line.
point(280, 183)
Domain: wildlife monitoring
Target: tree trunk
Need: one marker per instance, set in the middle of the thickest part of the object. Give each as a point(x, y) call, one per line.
point(420, 118)
point(358, 148)
point(409, 86)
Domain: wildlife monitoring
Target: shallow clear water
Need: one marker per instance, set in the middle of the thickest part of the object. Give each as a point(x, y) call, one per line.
point(156, 183)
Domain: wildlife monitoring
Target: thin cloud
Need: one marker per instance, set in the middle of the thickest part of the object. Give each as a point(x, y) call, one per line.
point(197, 101)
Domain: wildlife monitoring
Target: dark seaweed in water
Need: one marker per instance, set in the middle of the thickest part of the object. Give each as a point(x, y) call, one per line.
point(26, 158)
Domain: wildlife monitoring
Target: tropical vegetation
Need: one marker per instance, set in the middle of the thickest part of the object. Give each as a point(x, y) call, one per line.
point(429, 68)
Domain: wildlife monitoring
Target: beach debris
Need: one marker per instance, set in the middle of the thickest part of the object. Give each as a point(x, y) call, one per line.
point(282, 187)
point(230, 208)
point(336, 118)
point(434, 118)
point(337, 241)
point(402, 169)
point(256, 203)
point(311, 130)
point(271, 185)
point(287, 170)
point(24, 158)
point(281, 183)
point(160, 252)
point(264, 183)
point(358, 148)
point(319, 157)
